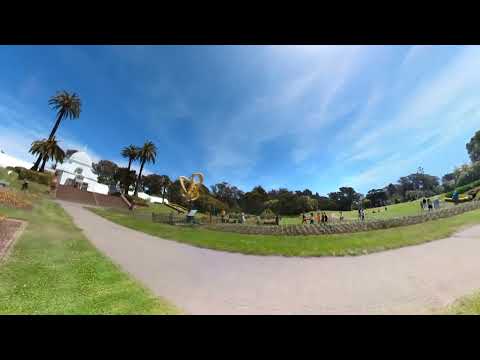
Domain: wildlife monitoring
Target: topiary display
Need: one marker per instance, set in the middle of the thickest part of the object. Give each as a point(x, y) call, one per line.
point(267, 214)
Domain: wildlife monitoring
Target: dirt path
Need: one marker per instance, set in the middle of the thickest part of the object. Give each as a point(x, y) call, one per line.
point(410, 280)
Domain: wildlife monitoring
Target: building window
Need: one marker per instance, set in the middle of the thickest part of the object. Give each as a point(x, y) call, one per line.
point(78, 171)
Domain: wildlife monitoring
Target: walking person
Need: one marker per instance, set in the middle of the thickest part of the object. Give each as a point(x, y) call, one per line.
point(243, 218)
point(424, 201)
point(312, 218)
point(25, 185)
point(430, 206)
point(326, 217)
point(304, 219)
point(318, 218)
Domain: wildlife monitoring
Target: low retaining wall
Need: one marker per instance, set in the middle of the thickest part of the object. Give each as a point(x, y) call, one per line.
point(346, 227)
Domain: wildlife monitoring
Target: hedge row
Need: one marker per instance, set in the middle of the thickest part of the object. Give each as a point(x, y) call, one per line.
point(347, 227)
point(35, 176)
point(464, 188)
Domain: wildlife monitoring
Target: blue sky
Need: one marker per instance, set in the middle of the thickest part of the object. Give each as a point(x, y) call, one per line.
point(315, 117)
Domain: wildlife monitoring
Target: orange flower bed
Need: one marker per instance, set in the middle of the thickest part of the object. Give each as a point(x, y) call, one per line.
point(11, 199)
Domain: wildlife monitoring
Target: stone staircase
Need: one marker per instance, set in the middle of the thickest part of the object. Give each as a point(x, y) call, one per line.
point(69, 193)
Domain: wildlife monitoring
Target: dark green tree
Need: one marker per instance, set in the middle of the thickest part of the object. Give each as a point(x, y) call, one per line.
point(105, 171)
point(473, 147)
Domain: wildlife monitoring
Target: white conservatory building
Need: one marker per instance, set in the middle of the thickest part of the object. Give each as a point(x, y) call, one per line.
point(77, 171)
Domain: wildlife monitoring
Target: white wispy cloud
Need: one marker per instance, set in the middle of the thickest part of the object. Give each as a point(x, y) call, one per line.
point(423, 114)
point(322, 79)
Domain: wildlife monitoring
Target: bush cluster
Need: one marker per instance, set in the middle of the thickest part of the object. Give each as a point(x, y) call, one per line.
point(35, 176)
point(463, 189)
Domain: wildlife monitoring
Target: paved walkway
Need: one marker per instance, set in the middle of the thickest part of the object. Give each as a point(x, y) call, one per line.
point(410, 280)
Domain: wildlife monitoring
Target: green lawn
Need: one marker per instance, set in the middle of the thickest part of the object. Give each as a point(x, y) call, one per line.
point(53, 269)
point(322, 245)
point(398, 210)
point(468, 305)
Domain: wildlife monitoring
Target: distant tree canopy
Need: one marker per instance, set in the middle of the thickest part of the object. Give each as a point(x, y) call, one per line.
point(473, 147)
point(417, 181)
point(254, 201)
point(377, 197)
point(282, 201)
point(155, 184)
point(228, 194)
point(345, 198)
point(105, 170)
point(124, 178)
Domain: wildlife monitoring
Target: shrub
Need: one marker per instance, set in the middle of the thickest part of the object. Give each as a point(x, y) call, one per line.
point(30, 175)
point(465, 188)
point(472, 173)
point(206, 203)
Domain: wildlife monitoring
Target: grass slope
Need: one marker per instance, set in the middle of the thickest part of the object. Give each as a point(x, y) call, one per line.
point(323, 245)
point(468, 305)
point(398, 210)
point(53, 269)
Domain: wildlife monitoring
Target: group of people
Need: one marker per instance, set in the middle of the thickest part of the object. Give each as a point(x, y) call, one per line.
point(427, 204)
point(226, 219)
point(320, 218)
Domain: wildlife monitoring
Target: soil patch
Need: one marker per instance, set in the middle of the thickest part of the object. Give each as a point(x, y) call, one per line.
point(10, 230)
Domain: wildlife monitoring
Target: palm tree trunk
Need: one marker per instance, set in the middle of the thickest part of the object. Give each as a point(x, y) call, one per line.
point(139, 178)
point(127, 186)
point(57, 124)
point(37, 163)
point(52, 134)
point(42, 168)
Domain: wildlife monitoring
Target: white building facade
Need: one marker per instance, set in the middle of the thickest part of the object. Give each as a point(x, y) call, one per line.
point(151, 198)
point(77, 171)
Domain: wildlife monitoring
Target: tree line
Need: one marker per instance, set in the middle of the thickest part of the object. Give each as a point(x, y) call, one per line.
point(283, 201)
point(228, 197)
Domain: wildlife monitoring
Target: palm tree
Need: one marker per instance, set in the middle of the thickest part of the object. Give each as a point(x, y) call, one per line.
point(67, 105)
point(131, 153)
point(146, 153)
point(47, 149)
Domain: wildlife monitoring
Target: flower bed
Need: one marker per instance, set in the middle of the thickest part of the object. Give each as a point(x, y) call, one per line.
point(8, 228)
point(13, 199)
